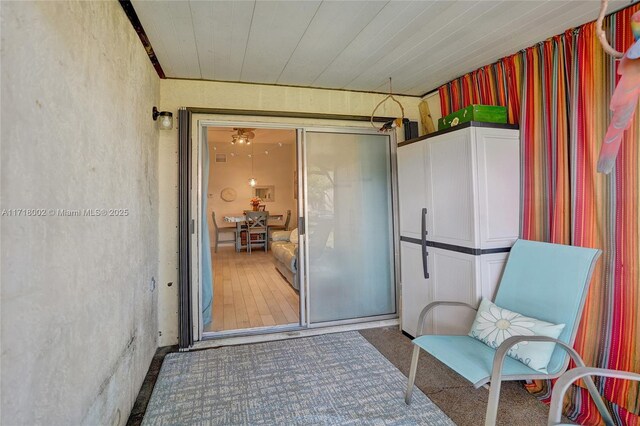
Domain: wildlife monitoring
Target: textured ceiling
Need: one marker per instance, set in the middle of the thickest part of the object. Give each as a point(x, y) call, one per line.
point(354, 45)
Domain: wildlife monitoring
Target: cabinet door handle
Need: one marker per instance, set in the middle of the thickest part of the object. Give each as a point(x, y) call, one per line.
point(425, 267)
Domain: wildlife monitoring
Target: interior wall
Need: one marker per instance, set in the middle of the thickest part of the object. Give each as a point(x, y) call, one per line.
point(275, 169)
point(78, 307)
point(433, 100)
point(208, 94)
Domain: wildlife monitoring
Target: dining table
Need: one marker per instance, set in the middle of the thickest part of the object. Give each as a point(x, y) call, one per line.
point(240, 219)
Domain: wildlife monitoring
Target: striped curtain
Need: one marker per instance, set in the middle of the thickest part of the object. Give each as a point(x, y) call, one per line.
point(496, 84)
point(544, 127)
point(559, 92)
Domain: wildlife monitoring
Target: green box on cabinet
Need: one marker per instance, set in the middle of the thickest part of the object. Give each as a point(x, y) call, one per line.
point(482, 113)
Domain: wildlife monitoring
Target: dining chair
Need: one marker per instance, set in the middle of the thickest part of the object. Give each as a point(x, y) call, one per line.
point(284, 226)
point(257, 224)
point(223, 229)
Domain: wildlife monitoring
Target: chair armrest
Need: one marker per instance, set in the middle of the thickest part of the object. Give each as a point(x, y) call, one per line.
point(430, 306)
point(562, 385)
point(496, 375)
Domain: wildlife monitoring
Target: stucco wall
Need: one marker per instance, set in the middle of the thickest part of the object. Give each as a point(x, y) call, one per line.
point(189, 93)
point(79, 313)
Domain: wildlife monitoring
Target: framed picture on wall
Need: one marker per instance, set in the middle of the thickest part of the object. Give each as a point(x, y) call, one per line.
point(267, 193)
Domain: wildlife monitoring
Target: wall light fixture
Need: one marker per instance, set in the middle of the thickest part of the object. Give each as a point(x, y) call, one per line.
point(166, 119)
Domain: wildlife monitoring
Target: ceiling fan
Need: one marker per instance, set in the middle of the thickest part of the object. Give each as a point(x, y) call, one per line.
point(242, 136)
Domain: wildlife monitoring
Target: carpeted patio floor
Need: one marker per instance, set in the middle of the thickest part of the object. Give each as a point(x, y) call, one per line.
point(453, 395)
point(330, 379)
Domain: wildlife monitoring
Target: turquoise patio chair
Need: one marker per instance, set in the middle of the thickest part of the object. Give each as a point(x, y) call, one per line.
point(563, 383)
point(540, 280)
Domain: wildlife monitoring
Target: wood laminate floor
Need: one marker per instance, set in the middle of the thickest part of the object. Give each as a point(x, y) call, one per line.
point(248, 291)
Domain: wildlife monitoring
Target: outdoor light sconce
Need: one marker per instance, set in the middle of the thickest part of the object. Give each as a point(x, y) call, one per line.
point(166, 119)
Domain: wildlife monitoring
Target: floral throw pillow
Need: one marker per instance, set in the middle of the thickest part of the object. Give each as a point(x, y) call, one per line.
point(493, 325)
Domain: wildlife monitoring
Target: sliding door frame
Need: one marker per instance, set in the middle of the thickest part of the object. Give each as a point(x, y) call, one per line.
point(185, 166)
point(189, 212)
point(302, 227)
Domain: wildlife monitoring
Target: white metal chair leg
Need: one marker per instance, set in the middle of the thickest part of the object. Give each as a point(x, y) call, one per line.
point(412, 374)
point(492, 404)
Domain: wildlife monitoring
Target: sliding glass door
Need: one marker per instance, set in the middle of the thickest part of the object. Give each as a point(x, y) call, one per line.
point(349, 219)
point(341, 263)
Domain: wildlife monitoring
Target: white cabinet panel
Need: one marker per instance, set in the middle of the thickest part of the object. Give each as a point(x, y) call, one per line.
point(416, 291)
point(411, 181)
point(498, 165)
point(450, 189)
point(454, 278)
point(491, 268)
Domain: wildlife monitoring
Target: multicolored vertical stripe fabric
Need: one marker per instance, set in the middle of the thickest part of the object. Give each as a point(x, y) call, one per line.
point(559, 92)
point(495, 84)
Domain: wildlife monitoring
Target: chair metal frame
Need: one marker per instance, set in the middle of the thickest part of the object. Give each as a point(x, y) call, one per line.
point(496, 376)
point(566, 380)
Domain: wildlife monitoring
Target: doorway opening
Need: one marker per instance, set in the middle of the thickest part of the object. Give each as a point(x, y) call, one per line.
point(251, 207)
point(257, 269)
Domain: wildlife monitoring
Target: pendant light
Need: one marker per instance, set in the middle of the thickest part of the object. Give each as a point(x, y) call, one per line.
point(252, 181)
